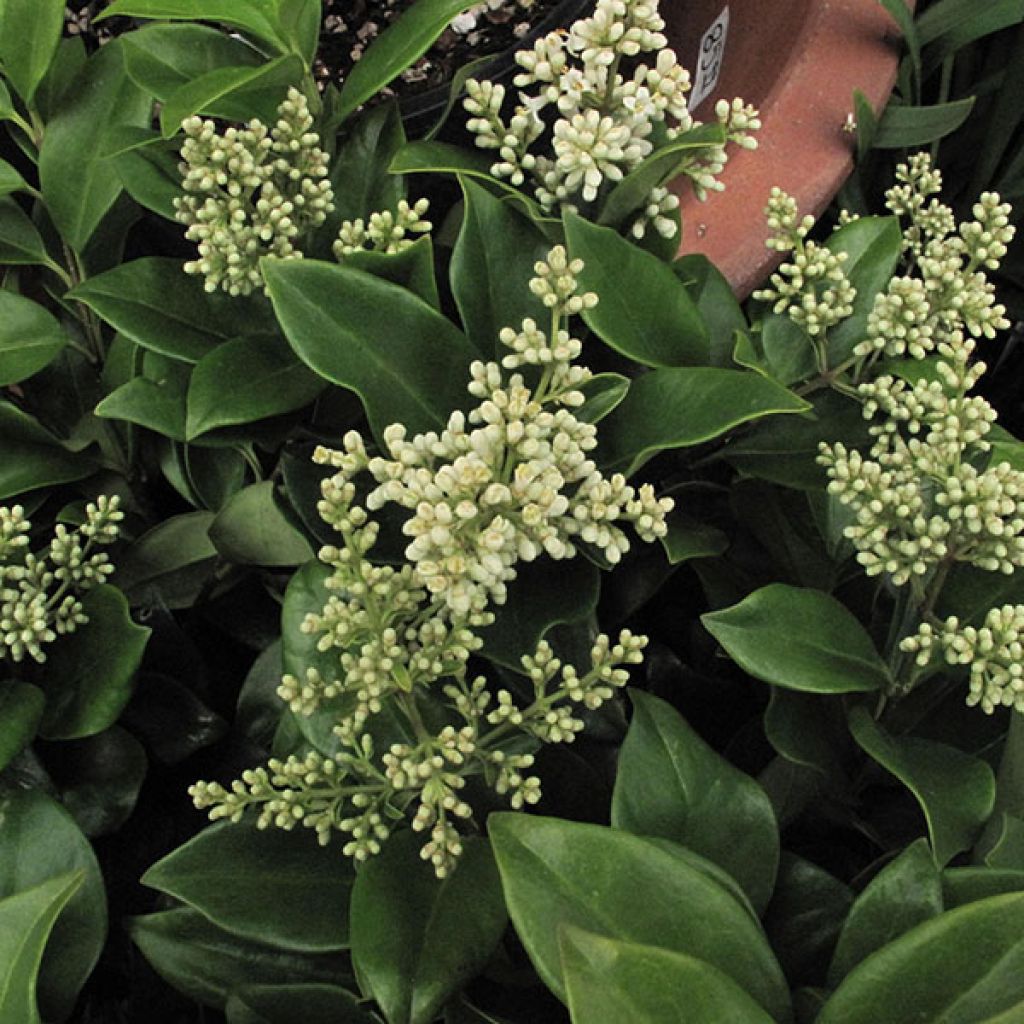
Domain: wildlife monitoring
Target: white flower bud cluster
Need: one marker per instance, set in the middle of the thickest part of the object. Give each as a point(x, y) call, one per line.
point(507, 482)
point(386, 231)
point(40, 595)
point(945, 289)
point(251, 192)
point(811, 287)
point(603, 121)
point(994, 651)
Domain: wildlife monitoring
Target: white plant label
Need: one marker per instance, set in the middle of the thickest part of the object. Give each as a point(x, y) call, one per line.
point(709, 59)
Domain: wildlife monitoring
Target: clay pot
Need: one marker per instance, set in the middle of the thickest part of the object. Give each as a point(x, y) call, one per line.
point(799, 62)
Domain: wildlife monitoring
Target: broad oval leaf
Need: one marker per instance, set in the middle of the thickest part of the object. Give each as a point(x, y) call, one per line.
point(267, 885)
point(492, 263)
point(405, 360)
point(91, 672)
point(416, 940)
point(29, 33)
point(20, 241)
point(284, 1004)
point(964, 965)
point(208, 964)
point(153, 404)
point(266, 379)
point(695, 404)
point(557, 873)
point(671, 784)
point(30, 337)
point(644, 311)
point(33, 457)
point(156, 304)
point(906, 892)
point(955, 790)
point(40, 842)
point(21, 709)
point(610, 981)
point(78, 181)
point(799, 638)
point(26, 919)
point(251, 530)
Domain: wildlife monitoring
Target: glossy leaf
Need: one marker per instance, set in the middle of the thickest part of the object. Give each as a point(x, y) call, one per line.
point(21, 709)
point(808, 729)
point(267, 379)
point(961, 886)
point(255, 16)
point(901, 127)
point(158, 405)
point(39, 842)
point(671, 784)
point(687, 539)
point(239, 93)
point(535, 604)
point(284, 1004)
point(78, 181)
point(799, 638)
point(609, 981)
point(156, 304)
point(444, 158)
point(492, 263)
point(30, 337)
point(33, 457)
point(695, 404)
point(390, 53)
point(251, 530)
point(964, 965)
point(788, 349)
point(150, 176)
point(906, 892)
point(91, 671)
point(417, 940)
point(558, 873)
point(716, 304)
point(208, 964)
point(228, 871)
point(20, 241)
point(603, 393)
point(162, 57)
point(412, 268)
point(955, 790)
point(10, 179)
point(169, 563)
point(26, 919)
point(409, 367)
point(644, 311)
point(29, 33)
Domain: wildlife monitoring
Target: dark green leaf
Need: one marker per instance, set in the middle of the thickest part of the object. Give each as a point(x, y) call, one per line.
point(492, 263)
point(644, 311)
point(33, 457)
point(695, 404)
point(156, 304)
point(610, 981)
point(284, 1004)
point(903, 15)
point(158, 405)
point(78, 181)
point(964, 965)
point(21, 708)
point(904, 893)
point(236, 93)
point(404, 41)
point(787, 348)
point(417, 940)
point(1002, 843)
point(255, 16)
point(715, 302)
point(39, 842)
point(66, 66)
point(267, 885)
point(412, 268)
point(10, 179)
point(671, 784)
point(26, 919)
point(161, 58)
point(808, 729)
point(208, 964)
point(603, 393)
point(543, 595)
point(410, 366)
point(251, 530)
point(29, 33)
point(955, 790)
point(170, 563)
point(558, 873)
point(20, 241)
point(444, 158)
point(687, 539)
point(964, 19)
point(961, 886)
point(902, 127)
point(151, 177)
point(799, 638)
point(91, 671)
point(30, 337)
point(265, 377)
